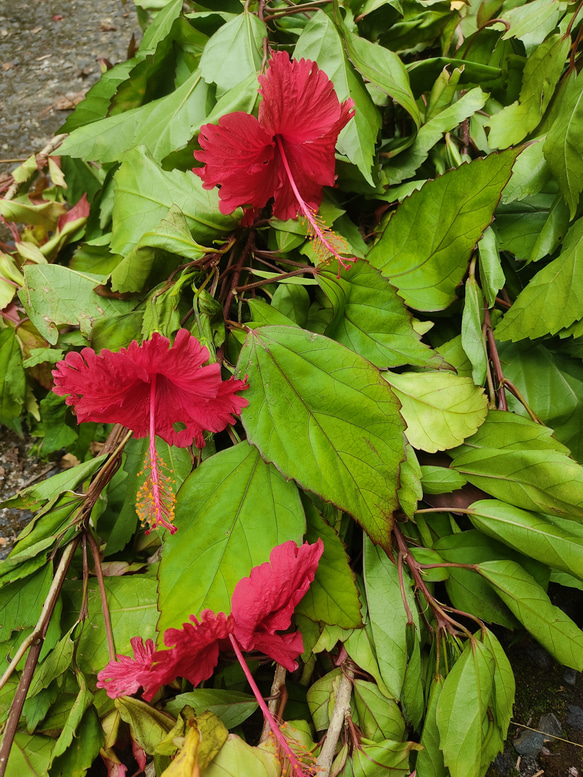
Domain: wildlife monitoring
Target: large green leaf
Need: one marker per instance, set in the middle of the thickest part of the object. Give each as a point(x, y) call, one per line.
point(529, 533)
point(462, 709)
point(325, 417)
point(161, 126)
point(387, 615)
point(427, 244)
point(522, 468)
point(234, 52)
point(144, 194)
point(541, 74)
point(563, 147)
point(54, 295)
point(371, 319)
point(473, 339)
point(533, 608)
point(231, 512)
point(332, 596)
point(441, 409)
point(236, 757)
point(21, 602)
point(552, 300)
point(504, 683)
point(321, 42)
point(30, 755)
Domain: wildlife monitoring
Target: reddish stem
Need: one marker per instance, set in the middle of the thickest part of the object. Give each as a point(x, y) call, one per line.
point(295, 764)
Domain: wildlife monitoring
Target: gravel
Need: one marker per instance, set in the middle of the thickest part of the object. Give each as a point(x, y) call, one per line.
point(49, 57)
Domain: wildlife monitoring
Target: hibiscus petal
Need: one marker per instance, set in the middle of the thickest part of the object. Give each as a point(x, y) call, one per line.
point(238, 156)
point(299, 101)
point(263, 603)
point(126, 675)
point(115, 388)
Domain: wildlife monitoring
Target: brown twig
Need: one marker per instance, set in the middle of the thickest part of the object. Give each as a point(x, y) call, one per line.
point(104, 605)
point(341, 711)
point(237, 271)
point(493, 350)
point(277, 686)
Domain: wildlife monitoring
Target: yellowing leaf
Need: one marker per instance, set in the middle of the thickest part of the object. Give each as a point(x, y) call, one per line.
point(440, 409)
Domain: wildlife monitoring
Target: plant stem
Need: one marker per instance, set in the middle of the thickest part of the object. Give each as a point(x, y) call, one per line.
point(341, 710)
point(104, 606)
point(295, 764)
point(274, 705)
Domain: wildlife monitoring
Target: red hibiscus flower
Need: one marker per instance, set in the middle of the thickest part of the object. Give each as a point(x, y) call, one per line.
point(262, 604)
point(151, 388)
point(286, 153)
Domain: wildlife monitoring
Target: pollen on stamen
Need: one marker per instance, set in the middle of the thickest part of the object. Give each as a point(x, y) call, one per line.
point(327, 244)
point(155, 500)
point(306, 765)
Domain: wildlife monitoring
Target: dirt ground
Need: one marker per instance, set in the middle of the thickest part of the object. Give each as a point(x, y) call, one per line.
point(49, 57)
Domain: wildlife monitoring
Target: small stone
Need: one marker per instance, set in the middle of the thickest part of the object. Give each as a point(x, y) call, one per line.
point(550, 724)
point(529, 743)
point(570, 676)
point(575, 717)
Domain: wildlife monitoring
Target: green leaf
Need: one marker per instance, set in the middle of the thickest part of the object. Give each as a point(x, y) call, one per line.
point(293, 302)
point(491, 272)
point(529, 533)
point(231, 512)
point(504, 683)
point(79, 757)
point(30, 755)
point(78, 710)
point(55, 295)
point(96, 103)
point(427, 244)
point(321, 42)
point(392, 758)
point(264, 314)
point(563, 147)
point(441, 480)
point(238, 758)
point(387, 615)
point(378, 717)
point(333, 596)
point(234, 52)
point(323, 416)
point(161, 126)
point(132, 606)
point(160, 27)
point(551, 301)
point(12, 378)
point(405, 164)
point(467, 590)
point(552, 386)
point(148, 725)
point(430, 760)
point(410, 489)
point(21, 602)
point(381, 67)
point(171, 235)
point(462, 709)
point(232, 707)
point(541, 74)
point(473, 341)
point(371, 319)
point(441, 409)
point(533, 477)
point(143, 195)
point(527, 600)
